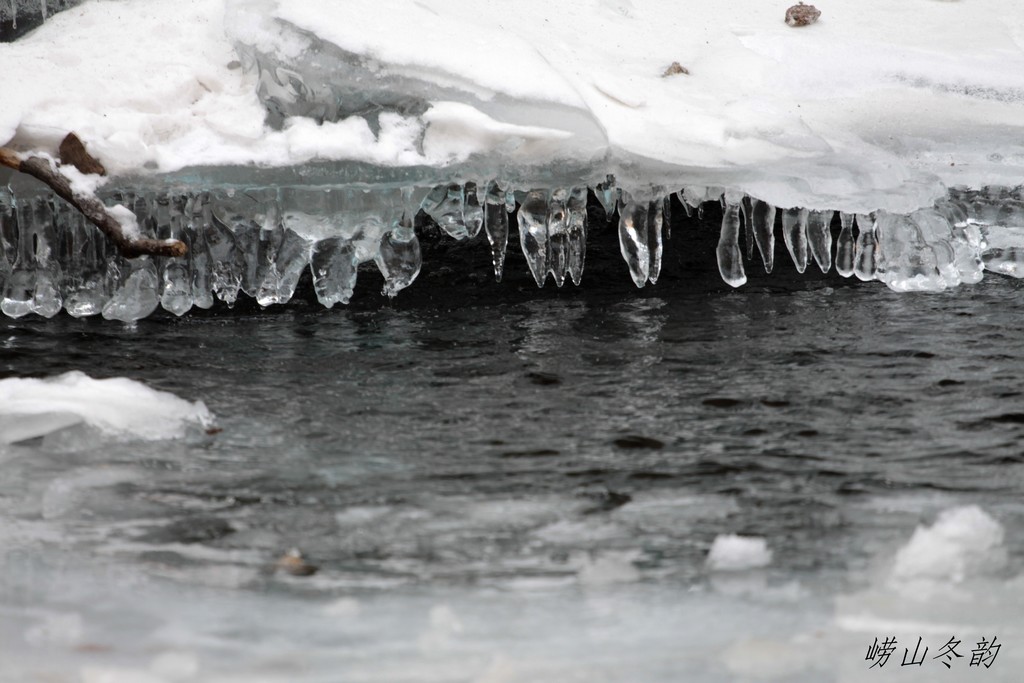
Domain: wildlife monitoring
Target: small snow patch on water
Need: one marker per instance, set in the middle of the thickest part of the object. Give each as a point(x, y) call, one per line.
point(730, 552)
point(963, 541)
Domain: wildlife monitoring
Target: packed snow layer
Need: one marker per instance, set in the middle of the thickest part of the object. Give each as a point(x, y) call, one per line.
point(875, 106)
point(119, 406)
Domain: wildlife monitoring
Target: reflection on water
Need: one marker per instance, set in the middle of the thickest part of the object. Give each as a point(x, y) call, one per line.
point(523, 492)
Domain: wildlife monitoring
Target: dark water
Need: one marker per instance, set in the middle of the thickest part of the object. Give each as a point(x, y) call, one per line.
point(498, 459)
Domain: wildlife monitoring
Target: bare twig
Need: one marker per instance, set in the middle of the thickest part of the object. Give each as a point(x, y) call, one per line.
point(91, 207)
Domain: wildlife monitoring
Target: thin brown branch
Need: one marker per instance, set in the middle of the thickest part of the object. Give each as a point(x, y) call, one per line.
point(91, 207)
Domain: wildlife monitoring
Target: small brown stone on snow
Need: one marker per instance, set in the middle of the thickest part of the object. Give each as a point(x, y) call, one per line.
point(675, 68)
point(802, 15)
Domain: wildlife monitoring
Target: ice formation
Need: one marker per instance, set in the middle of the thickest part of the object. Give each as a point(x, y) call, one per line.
point(121, 407)
point(283, 136)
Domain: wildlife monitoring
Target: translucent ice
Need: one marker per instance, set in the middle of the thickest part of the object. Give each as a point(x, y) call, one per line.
point(399, 259)
point(819, 238)
point(865, 251)
point(558, 236)
point(794, 231)
point(138, 293)
point(762, 216)
point(333, 264)
point(633, 239)
point(533, 233)
point(577, 232)
point(730, 259)
point(496, 226)
point(845, 247)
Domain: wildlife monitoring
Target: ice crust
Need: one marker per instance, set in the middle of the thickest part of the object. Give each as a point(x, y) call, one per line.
point(118, 406)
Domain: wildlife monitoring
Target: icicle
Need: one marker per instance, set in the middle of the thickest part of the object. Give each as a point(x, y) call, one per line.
point(137, 294)
point(633, 236)
point(730, 259)
point(819, 238)
point(866, 249)
point(399, 258)
point(794, 231)
point(287, 256)
point(199, 251)
point(655, 222)
point(42, 8)
point(747, 212)
point(666, 213)
point(533, 233)
point(334, 269)
point(446, 205)
point(496, 226)
point(32, 284)
point(845, 246)
point(681, 196)
point(87, 283)
point(176, 291)
point(577, 231)
point(763, 215)
point(693, 199)
point(558, 236)
point(472, 212)
point(608, 194)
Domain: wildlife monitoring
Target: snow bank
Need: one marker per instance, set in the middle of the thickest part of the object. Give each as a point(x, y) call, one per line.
point(35, 407)
point(877, 105)
point(730, 552)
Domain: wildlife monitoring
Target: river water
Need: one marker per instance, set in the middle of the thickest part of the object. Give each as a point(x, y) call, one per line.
point(529, 491)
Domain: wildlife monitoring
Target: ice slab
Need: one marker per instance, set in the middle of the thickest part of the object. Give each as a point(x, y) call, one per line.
point(118, 406)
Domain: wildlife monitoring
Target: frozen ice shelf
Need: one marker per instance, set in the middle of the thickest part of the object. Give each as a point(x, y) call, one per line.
point(258, 242)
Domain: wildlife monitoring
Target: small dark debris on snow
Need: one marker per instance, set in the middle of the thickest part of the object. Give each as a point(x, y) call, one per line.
point(674, 69)
point(802, 15)
point(292, 562)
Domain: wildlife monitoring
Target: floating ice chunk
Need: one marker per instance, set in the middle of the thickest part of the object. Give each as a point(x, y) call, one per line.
point(496, 226)
point(794, 232)
point(730, 259)
point(730, 552)
point(116, 406)
point(964, 541)
point(845, 246)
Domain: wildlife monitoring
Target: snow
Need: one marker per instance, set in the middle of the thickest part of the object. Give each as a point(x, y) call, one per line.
point(877, 105)
point(117, 406)
point(731, 552)
point(964, 541)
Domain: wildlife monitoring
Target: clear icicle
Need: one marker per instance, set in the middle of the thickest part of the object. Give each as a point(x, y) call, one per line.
point(176, 293)
point(655, 223)
point(747, 212)
point(681, 196)
point(31, 286)
point(865, 253)
point(558, 236)
point(446, 205)
point(666, 216)
point(137, 295)
point(794, 232)
point(633, 236)
point(472, 212)
point(533, 233)
point(819, 238)
point(334, 268)
point(287, 256)
point(763, 215)
point(496, 226)
point(576, 228)
point(399, 259)
point(730, 259)
point(608, 194)
point(199, 251)
point(87, 284)
point(845, 247)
